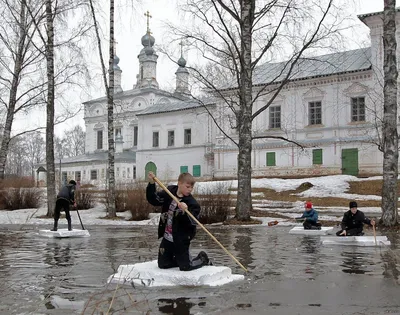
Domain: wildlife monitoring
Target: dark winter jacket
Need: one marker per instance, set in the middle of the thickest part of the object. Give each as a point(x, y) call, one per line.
point(67, 192)
point(182, 226)
point(311, 215)
point(353, 221)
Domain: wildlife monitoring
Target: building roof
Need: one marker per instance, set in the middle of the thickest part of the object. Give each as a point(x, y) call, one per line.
point(99, 156)
point(313, 67)
point(171, 107)
point(135, 92)
point(363, 16)
point(318, 66)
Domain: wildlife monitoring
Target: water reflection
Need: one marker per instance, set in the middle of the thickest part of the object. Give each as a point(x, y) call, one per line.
point(355, 262)
point(179, 306)
point(66, 272)
point(243, 244)
point(310, 245)
point(58, 254)
point(391, 259)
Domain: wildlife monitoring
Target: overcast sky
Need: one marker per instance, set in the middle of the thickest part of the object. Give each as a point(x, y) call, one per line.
point(130, 26)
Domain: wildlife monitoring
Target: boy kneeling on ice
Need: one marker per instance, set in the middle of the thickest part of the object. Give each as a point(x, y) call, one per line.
point(353, 222)
point(175, 227)
point(310, 217)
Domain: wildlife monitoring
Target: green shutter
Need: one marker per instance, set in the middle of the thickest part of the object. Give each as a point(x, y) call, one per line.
point(317, 156)
point(184, 169)
point(196, 170)
point(271, 159)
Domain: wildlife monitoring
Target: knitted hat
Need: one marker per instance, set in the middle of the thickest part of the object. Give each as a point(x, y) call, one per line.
point(353, 204)
point(308, 205)
point(72, 182)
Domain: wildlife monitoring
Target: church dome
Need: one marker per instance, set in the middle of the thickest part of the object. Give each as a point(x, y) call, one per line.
point(148, 40)
point(182, 62)
point(149, 50)
point(116, 62)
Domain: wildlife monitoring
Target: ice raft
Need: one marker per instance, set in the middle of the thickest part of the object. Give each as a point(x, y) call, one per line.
point(63, 233)
point(325, 230)
point(355, 240)
point(148, 274)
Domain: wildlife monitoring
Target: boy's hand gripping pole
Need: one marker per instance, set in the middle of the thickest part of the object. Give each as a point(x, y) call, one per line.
point(197, 221)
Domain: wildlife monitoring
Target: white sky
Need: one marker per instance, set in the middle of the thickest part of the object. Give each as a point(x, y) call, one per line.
point(130, 26)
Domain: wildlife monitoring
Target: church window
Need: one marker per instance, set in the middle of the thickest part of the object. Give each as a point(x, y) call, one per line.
point(78, 176)
point(187, 136)
point(93, 174)
point(117, 132)
point(99, 139)
point(315, 113)
point(102, 173)
point(275, 117)
point(357, 109)
point(171, 138)
point(155, 139)
point(118, 172)
point(135, 135)
point(134, 172)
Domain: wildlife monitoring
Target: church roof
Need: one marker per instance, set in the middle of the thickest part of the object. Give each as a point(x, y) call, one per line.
point(135, 92)
point(99, 156)
point(313, 67)
point(171, 107)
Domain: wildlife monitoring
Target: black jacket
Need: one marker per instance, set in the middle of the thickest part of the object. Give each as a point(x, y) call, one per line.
point(182, 226)
point(357, 220)
point(67, 192)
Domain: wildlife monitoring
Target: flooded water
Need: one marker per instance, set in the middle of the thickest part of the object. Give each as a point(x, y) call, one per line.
point(288, 274)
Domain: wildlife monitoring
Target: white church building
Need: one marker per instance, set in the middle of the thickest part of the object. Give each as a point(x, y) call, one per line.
point(331, 107)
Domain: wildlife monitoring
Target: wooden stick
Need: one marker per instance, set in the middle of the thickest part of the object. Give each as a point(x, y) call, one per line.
point(197, 221)
point(373, 227)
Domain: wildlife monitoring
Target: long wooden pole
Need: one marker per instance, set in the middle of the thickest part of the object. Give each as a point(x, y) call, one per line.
point(197, 221)
point(373, 227)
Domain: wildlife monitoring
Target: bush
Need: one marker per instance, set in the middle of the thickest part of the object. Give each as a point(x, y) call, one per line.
point(136, 202)
point(17, 182)
point(84, 198)
point(20, 198)
point(215, 201)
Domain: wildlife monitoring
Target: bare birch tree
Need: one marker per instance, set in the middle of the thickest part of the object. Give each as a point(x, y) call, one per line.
point(50, 179)
point(21, 64)
point(389, 127)
point(234, 37)
point(109, 87)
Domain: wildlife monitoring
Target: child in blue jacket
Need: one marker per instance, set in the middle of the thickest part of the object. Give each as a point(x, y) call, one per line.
point(310, 217)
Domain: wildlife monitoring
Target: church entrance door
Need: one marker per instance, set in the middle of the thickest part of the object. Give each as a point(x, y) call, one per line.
point(150, 167)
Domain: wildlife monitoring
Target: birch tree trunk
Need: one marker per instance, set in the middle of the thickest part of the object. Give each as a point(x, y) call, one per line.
point(51, 187)
point(390, 136)
point(18, 61)
point(110, 113)
point(243, 203)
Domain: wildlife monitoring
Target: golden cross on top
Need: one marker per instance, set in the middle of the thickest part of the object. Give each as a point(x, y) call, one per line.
point(147, 14)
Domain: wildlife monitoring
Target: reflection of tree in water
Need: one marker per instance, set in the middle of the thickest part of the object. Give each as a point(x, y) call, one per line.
point(354, 262)
point(178, 306)
point(243, 246)
point(391, 258)
point(111, 248)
